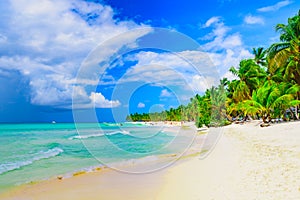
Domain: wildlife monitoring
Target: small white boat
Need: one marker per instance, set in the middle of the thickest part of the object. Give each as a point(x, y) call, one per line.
point(53, 122)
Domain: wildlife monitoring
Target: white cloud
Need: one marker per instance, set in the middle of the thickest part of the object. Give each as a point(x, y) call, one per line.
point(165, 93)
point(219, 29)
point(276, 6)
point(106, 51)
point(211, 21)
point(229, 76)
point(224, 48)
point(99, 101)
point(249, 19)
point(169, 70)
point(49, 39)
point(232, 41)
point(201, 83)
point(220, 38)
point(192, 71)
point(141, 105)
point(228, 58)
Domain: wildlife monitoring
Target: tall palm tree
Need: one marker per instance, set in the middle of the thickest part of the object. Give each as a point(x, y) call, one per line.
point(286, 53)
point(218, 104)
point(284, 56)
point(204, 115)
point(250, 76)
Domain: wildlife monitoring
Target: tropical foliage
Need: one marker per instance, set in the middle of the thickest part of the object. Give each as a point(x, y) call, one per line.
point(271, 100)
point(266, 87)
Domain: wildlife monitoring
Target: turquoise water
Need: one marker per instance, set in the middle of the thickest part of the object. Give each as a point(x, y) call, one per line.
point(33, 152)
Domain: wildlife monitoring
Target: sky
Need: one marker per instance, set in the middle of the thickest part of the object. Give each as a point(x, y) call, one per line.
point(100, 60)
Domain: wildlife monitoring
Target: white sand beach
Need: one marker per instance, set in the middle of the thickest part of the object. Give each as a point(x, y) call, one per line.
point(248, 162)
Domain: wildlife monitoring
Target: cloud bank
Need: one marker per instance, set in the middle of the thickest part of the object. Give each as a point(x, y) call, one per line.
point(47, 40)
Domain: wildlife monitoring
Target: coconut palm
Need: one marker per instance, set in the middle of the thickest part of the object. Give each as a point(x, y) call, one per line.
point(250, 76)
point(224, 81)
point(260, 56)
point(218, 104)
point(204, 109)
point(286, 53)
point(284, 56)
point(271, 100)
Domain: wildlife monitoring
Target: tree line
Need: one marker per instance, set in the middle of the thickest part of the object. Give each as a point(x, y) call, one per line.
point(266, 87)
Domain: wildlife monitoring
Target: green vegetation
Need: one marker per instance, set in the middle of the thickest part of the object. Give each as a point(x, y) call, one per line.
point(266, 87)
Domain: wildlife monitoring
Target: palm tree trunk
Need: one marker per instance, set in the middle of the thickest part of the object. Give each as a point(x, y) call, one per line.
point(296, 109)
point(264, 118)
point(293, 115)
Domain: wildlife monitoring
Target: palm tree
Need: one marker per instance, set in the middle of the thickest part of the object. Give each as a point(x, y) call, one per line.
point(286, 53)
point(271, 100)
point(204, 112)
point(250, 76)
point(260, 56)
point(218, 104)
point(225, 82)
point(284, 56)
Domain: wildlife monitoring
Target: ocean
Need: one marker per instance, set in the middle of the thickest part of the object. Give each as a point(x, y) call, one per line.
point(35, 152)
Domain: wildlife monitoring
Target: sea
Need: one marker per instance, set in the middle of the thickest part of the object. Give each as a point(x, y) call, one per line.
point(36, 152)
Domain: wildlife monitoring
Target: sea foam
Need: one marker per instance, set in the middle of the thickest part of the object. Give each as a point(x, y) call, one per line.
point(10, 166)
point(99, 135)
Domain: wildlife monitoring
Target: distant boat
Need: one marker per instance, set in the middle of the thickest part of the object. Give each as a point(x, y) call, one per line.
point(53, 122)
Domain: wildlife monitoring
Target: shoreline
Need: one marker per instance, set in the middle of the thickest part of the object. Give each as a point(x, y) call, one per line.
point(103, 171)
point(259, 163)
point(74, 169)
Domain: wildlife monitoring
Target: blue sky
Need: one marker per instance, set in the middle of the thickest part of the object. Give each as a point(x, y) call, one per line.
point(101, 60)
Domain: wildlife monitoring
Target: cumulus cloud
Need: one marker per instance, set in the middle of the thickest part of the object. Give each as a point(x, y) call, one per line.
point(174, 71)
point(94, 100)
point(224, 48)
point(49, 39)
point(141, 105)
point(249, 19)
point(220, 38)
point(99, 101)
point(201, 83)
point(276, 6)
point(165, 93)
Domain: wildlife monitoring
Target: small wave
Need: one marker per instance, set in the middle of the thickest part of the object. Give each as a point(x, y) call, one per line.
point(85, 136)
point(110, 124)
point(99, 135)
point(10, 166)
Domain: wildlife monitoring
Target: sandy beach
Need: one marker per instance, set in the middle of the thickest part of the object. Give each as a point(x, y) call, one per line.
point(248, 162)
